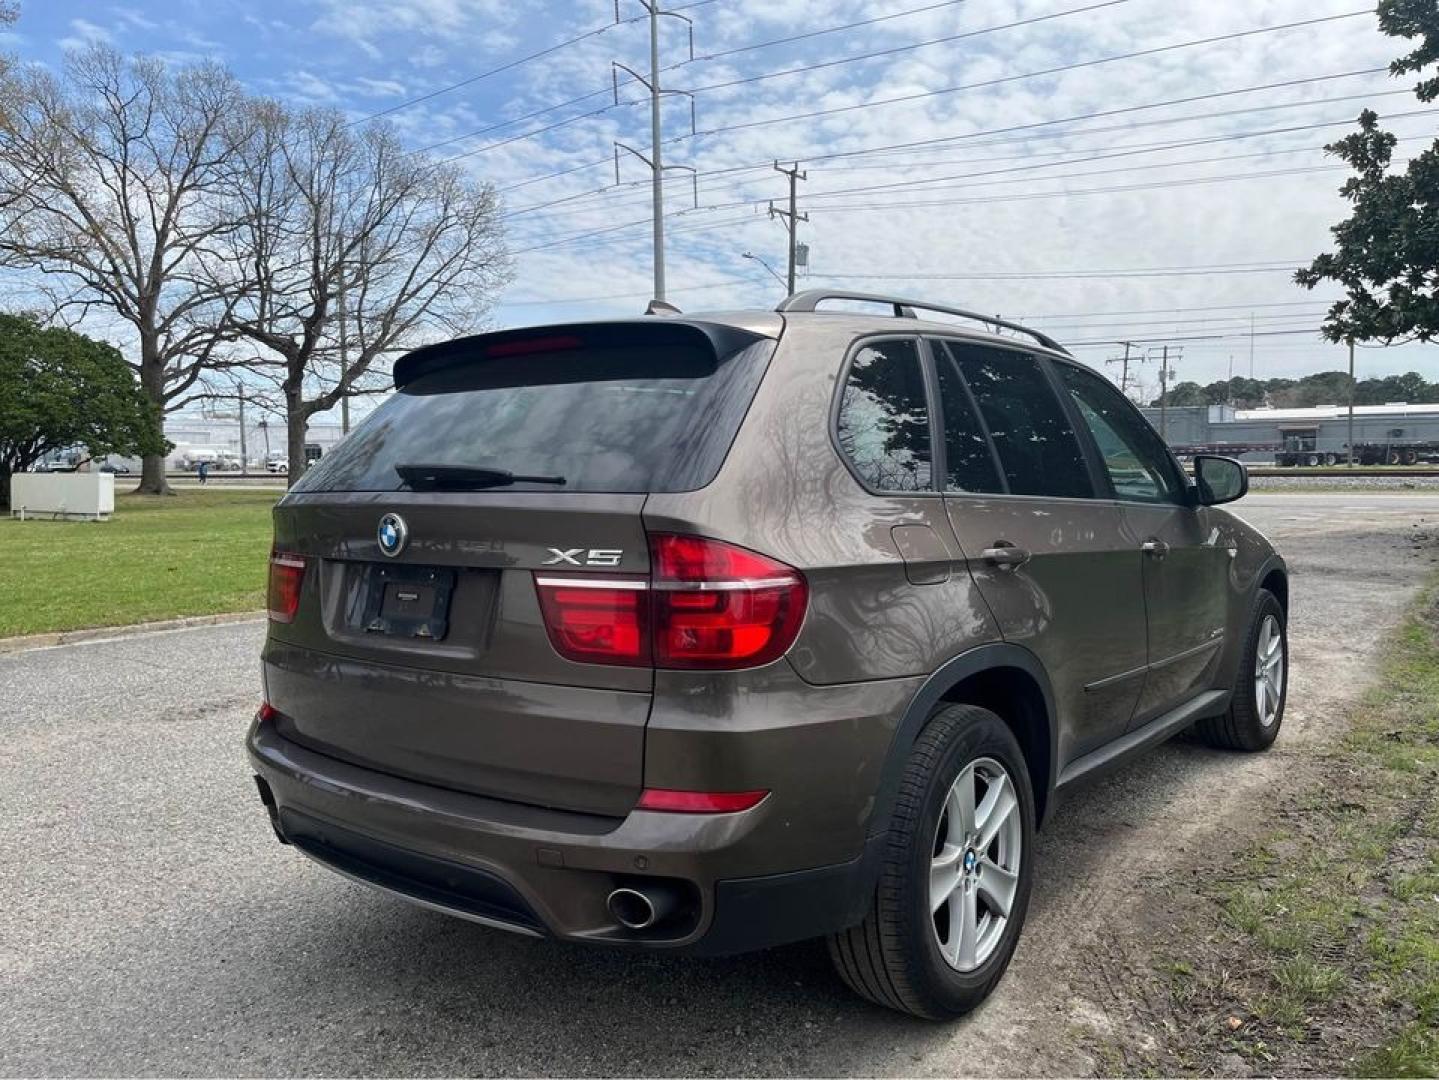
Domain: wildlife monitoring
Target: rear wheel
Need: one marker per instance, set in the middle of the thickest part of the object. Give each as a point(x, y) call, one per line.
point(1257, 708)
point(954, 885)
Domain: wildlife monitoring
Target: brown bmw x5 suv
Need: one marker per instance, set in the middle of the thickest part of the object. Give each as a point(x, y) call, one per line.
point(710, 633)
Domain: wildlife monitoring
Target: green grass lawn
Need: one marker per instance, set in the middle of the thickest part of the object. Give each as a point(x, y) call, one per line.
point(198, 553)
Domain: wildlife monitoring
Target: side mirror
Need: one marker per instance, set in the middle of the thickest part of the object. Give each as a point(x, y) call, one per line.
point(1219, 479)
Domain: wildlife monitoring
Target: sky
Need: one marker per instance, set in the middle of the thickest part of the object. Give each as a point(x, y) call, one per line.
point(1105, 170)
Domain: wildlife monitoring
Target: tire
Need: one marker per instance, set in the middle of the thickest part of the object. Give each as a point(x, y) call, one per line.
point(1243, 727)
point(1331, 459)
point(894, 958)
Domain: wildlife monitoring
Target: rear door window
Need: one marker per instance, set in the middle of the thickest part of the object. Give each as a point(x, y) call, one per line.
point(606, 418)
point(1030, 430)
point(883, 424)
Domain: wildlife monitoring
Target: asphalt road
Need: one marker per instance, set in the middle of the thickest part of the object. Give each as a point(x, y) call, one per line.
point(149, 923)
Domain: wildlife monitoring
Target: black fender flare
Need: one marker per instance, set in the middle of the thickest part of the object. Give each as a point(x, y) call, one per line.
point(949, 675)
point(1275, 561)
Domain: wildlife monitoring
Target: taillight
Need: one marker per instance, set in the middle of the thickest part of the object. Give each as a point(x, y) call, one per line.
point(706, 604)
point(287, 574)
point(720, 606)
point(597, 621)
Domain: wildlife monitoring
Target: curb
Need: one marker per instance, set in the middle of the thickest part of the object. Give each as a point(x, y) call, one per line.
point(27, 642)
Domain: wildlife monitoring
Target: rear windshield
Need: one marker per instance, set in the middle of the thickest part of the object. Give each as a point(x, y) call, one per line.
point(637, 418)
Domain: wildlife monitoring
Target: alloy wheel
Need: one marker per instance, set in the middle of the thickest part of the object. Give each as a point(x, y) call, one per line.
point(974, 869)
point(1269, 670)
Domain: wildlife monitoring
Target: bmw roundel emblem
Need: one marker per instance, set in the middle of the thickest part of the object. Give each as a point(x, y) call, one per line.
point(392, 534)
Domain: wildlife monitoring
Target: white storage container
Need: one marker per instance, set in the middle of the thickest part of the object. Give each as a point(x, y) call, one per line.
point(88, 495)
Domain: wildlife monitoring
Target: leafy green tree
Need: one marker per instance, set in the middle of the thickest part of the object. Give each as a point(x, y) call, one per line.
point(1387, 256)
point(1186, 393)
point(60, 389)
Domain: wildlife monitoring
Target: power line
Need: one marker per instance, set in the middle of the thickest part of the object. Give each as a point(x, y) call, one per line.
point(625, 296)
point(1245, 307)
point(761, 77)
point(1198, 337)
point(923, 95)
point(911, 164)
point(1032, 126)
point(828, 30)
point(671, 67)
point(1117, 151)
point(977, 200)
point(1028, 196)
point(512, 64)
point(1266, 266)
point(822, 64)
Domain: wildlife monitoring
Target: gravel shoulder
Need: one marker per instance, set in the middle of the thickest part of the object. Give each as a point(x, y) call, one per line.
point(150, 924)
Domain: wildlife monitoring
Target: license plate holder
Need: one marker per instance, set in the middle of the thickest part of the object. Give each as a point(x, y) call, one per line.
point(409, 601)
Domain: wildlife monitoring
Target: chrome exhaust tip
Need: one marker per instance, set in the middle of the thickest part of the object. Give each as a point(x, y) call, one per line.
point(639, 909)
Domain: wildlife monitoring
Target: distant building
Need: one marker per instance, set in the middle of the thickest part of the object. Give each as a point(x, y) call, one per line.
point(198, 437)
point(1386, 432)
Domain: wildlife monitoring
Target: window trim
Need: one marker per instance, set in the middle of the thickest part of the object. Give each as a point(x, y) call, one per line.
point(1098, 481)
point(936, 452)
point(1091, 446)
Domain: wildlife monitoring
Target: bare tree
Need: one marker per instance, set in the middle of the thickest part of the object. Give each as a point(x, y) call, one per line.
point(107, 183)
point(350, 250)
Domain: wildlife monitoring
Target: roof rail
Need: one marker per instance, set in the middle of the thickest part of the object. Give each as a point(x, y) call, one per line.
point(905, 309)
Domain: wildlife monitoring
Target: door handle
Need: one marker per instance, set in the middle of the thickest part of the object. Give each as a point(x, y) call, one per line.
point(1005, 555)
point(1157, 548)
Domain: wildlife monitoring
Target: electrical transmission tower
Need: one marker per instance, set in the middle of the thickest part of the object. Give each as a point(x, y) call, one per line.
point(654, 160)
point(791, 217)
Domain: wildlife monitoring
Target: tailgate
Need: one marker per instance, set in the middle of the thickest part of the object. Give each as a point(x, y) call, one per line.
point(435, 663)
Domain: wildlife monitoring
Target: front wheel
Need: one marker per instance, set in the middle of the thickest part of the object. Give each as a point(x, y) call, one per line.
point(955, 881)
point(1257, 708)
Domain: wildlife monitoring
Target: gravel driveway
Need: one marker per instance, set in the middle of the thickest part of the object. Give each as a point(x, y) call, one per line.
point(150, 924)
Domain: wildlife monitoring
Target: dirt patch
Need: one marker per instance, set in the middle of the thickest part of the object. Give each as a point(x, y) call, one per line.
point(1310, 943)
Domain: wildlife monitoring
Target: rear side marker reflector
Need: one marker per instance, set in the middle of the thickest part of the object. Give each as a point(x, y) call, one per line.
point(287, 575)
point(699, 802)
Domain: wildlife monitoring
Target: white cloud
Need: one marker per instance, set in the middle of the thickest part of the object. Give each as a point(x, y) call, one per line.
point(84, 33)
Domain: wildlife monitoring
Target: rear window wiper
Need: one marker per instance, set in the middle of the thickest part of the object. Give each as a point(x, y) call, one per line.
point(465, 477)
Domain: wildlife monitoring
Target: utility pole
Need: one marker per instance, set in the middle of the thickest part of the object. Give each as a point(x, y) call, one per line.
point(792, 217)
point(1164, 395)
point(655, 160)
point(1164, 376)
point(344, 362)
point(244, 453)
point(1351, 403)
point(1251, 346)
point(1124, 370)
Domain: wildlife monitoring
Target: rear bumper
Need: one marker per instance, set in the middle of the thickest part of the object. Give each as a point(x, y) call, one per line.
point(548, 872)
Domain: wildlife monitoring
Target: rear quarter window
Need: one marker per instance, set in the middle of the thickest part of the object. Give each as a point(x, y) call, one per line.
point(883, 426)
